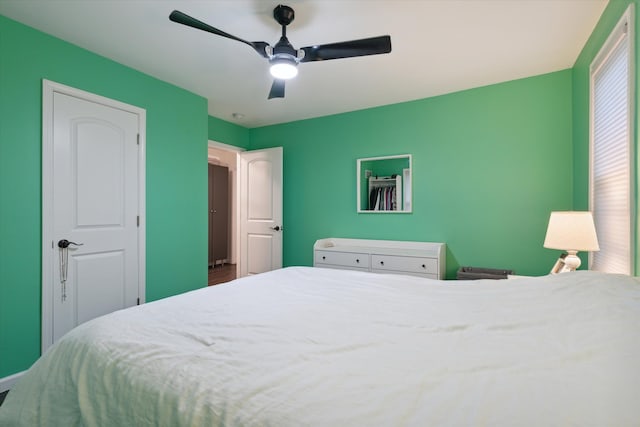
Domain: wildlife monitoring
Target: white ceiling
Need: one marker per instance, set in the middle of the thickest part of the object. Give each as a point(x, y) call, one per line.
point(439, 46)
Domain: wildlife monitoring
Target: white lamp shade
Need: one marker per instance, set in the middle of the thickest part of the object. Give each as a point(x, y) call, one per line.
point(571, 230)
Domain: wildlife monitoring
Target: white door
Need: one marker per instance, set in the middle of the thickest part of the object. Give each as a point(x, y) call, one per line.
point(260, 211)
point(93, 200)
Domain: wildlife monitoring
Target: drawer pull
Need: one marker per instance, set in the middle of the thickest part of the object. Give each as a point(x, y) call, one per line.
point(357, 260)
point(424, 266)
point(381, 262)
point(324, 257)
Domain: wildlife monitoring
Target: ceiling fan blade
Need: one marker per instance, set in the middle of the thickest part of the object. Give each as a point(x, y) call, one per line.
point(184, 19)
point(277, 89)
point(350, 49)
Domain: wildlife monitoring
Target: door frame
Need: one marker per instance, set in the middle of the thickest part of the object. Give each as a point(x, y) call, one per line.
point(48, 258)
point(235, 196)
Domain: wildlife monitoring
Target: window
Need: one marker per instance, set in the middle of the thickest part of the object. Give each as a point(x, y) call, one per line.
point(611, 160)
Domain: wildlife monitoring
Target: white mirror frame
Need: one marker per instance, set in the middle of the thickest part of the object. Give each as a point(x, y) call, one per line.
point(406, 180)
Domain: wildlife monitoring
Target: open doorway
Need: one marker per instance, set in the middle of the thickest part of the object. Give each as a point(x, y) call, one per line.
point(223, 232)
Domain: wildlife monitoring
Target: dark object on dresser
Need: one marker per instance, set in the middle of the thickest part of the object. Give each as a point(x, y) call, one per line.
point(475, 273)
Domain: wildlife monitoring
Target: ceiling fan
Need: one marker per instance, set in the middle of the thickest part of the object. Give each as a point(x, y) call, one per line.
point(283, 57)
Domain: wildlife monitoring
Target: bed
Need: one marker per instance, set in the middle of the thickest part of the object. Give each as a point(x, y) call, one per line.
point(306, 346)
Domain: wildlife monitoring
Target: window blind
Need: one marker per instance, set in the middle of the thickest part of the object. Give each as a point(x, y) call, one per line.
point(611, 161)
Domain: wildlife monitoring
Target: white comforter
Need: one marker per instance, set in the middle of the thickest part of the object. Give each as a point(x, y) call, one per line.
point(318, 347)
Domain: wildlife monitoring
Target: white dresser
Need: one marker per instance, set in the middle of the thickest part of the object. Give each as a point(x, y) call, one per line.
point(382, 256)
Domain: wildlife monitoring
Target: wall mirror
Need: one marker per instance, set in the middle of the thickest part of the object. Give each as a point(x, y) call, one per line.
point(384, 184)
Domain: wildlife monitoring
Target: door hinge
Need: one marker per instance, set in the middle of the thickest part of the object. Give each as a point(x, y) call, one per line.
point(138, 139)
point(138, 221)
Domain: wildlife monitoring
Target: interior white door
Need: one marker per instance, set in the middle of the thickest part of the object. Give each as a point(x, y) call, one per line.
point(94, 203)
point(260, 211)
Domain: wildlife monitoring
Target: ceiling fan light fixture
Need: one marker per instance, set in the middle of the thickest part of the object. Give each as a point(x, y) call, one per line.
point(284, 68)
point(283, 57)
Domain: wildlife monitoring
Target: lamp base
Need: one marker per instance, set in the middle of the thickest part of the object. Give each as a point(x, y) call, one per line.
point(571, 261)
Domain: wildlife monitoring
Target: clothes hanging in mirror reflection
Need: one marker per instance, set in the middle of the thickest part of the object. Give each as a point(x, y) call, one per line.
point(376, 172)
point(383, 199)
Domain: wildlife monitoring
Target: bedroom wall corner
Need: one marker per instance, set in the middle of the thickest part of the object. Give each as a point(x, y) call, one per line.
point(176, 198)
point(228, 133)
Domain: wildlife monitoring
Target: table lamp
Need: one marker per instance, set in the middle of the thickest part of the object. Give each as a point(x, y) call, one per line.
point(571, 231)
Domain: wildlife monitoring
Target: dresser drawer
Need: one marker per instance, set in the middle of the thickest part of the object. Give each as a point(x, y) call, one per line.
point(345, 259)
point(341, 267)
point(406, 264)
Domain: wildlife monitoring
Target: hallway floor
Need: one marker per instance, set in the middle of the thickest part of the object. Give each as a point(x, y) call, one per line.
point(221, 274)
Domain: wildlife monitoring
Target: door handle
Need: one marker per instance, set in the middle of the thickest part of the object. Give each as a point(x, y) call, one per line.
point(64, 243)
point(276, 228)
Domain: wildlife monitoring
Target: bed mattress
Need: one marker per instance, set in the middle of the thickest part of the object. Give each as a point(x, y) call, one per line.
point(318, 347)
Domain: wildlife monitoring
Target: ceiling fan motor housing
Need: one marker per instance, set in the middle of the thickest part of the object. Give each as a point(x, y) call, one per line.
point(283, 15)
point(284, 57)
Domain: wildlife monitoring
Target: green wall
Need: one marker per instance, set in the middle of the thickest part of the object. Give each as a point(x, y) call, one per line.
point(608, 21)
point(176, 174)
point(489, 164)
point(228, 133)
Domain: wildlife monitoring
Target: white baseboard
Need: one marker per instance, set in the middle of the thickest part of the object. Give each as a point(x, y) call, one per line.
point(7, 382)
